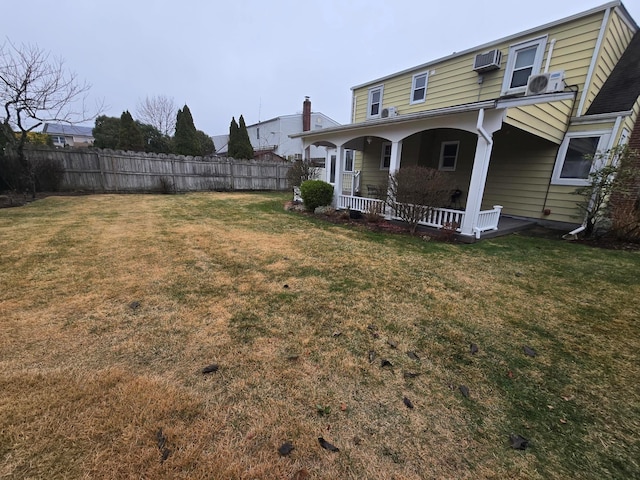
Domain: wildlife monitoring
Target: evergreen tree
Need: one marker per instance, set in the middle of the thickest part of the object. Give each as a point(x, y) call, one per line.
point(233, 138)
point(239, 143)
point(185, 141)
point(206, 143)
point(154, 141)
point(130, 135)
point(245, 147)
point(106, 132)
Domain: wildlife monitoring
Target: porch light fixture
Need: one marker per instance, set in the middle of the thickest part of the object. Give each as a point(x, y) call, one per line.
point(369, 140)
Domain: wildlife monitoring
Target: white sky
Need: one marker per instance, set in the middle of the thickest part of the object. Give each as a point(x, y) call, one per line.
point(260, 58)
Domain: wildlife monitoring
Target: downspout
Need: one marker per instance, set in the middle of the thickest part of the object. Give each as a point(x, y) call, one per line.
point(566, 130)
point(480, 128)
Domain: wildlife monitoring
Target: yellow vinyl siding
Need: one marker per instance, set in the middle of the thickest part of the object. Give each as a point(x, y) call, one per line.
point(615, 41)
point(454, 82)
point(546, 120)
point(519, 173)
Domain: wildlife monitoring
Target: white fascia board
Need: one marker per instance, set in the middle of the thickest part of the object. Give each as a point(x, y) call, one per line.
point(489, 45)
point(599, 118)
point(534, 99)
point(438, 112)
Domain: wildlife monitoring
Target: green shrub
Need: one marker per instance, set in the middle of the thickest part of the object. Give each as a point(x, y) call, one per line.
point(316, 193)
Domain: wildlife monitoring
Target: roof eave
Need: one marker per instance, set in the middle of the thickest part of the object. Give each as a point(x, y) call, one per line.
point(531, 31)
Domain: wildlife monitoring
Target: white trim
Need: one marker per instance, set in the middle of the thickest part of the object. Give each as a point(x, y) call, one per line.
point(455, 160)
point(562, 152)
point(592, 65)
point(370, 103)
point(541, 44)
point(382, 155)
point(354, 101)
point(413, 87)
point(599, 117)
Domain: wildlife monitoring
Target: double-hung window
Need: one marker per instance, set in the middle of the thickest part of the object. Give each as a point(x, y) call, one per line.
point(576, 157)
point(348, 160)
point(448, 156)
point(419, 88)
point(385, 160)
point(374, 105)
point(525, 59)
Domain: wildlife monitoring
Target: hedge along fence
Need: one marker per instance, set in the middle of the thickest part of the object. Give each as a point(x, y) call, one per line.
point(98, 170)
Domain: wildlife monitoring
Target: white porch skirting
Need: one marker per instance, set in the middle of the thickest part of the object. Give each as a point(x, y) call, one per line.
point(435, 217)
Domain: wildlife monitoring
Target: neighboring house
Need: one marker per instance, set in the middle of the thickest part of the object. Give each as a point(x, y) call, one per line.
point(512, 120)
point(274, 135)
point(69, 135)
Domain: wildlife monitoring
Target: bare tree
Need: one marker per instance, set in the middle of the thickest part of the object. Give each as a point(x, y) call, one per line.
point(34, 89)
point(160, 112)
point(415, 191)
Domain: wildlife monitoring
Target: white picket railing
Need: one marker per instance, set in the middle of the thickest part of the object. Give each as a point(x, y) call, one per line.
point(351, 182)
point(488, 220)
point(434, 217)
point(361, 204)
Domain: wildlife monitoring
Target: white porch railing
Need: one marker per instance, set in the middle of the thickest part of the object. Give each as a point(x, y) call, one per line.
point(351, 183)
point(435, 217)
point(361, 204)
point(488, 220)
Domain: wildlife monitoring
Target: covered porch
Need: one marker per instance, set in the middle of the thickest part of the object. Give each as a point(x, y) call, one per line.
point(457, 140)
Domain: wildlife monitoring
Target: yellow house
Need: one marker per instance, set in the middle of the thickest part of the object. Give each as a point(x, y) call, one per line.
point(513, 121)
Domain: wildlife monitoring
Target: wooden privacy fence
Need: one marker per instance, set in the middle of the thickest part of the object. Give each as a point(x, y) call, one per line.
point(117, 171)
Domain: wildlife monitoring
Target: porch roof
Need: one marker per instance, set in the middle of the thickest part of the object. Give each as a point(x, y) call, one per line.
point(501, 103)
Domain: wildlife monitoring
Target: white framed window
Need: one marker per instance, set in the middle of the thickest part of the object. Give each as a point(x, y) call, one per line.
point(374, 105)
point(448, 156)
point(348, 160)
point(576, 157)
point(525, 59)
point(419, 87)
point(385, 159)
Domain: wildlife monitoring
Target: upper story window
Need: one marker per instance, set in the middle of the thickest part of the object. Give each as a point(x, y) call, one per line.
point(385, 160)
point(577, 157)
point(419, 88)
point(375, 102)
point(525, 59)
point(449, 156)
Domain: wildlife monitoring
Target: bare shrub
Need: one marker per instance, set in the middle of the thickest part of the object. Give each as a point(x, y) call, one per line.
point(48, 174)
point(414, 191)
point(166, 186)
point(301, 171)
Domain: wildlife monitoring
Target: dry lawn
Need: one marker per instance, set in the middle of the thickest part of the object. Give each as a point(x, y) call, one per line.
point(93, 385)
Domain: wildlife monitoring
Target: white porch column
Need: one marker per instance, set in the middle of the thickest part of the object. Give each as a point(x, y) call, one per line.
point(337, 186)
point(396, 154)
point(478, 178)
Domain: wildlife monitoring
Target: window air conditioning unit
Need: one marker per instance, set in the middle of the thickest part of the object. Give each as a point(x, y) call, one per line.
point(389, 112)
point(485, 62)
point(545, 83)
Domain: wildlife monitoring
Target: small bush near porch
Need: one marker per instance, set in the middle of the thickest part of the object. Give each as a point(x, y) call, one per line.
point(414, 191)
point(112, 307)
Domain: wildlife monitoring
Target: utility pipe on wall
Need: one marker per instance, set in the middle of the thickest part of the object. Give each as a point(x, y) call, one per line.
point(551, 44)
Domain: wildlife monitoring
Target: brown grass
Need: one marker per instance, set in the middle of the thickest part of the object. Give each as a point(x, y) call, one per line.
point(87, 381)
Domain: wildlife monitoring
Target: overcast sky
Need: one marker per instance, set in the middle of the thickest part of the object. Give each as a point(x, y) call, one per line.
point(260, 58)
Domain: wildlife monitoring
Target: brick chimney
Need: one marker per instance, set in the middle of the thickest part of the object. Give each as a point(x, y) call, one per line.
point(306, 115)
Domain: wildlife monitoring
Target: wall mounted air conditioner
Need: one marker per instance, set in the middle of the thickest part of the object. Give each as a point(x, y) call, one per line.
point(485, 62)
point(389, 112)
point(545, 83)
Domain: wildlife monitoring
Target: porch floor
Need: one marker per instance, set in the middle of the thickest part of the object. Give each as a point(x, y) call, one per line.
point(506, 226)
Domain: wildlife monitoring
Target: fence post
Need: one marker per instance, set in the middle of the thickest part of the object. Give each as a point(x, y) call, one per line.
point(103, 182)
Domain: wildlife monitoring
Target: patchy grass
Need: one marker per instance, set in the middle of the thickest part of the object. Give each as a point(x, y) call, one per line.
point(290, 308)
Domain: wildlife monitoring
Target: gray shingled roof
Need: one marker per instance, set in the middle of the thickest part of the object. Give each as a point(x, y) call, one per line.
point(59, 129)
point(621, 90)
